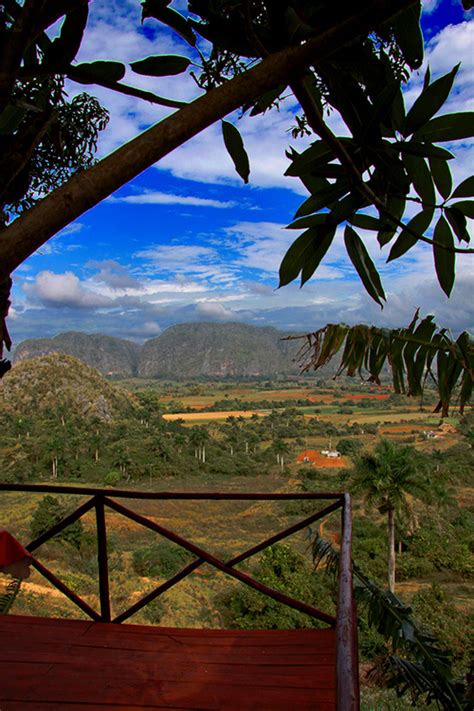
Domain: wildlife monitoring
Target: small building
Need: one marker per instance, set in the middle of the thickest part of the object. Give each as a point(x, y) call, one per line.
point(330, 453)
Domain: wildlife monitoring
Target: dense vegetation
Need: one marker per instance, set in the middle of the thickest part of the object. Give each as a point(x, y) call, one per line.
point(49, 430)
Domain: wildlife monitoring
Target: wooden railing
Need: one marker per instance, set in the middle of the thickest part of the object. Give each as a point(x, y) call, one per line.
point(344, 622)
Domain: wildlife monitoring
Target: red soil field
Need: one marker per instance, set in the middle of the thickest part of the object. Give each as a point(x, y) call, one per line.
point(319, 460)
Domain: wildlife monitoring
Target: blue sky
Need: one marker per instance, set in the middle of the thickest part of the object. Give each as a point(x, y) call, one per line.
point(187, 241)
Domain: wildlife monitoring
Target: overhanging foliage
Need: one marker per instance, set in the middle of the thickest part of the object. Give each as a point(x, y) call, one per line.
point(412, 354)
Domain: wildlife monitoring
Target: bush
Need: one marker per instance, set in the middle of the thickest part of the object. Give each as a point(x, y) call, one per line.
point(449, 624)
point(160, 560)
point(283, 569)
point(409, 566)
point(112, 478)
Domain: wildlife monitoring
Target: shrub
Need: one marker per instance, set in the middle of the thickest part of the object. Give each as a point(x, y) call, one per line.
point(159, 560)
point(283, 569)
point(112, 478)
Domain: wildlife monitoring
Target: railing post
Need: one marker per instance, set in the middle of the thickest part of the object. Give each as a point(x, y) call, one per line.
point(347, 664)
point(102, 560)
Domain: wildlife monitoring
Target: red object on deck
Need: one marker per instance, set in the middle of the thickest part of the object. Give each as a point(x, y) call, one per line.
point(11, 551)
point(56, 665)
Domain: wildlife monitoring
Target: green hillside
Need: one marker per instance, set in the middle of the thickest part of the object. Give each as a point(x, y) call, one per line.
point(60, 382)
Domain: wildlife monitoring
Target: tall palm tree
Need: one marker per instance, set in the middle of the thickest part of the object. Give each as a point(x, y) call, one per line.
point(388, 478)
point(280, 447)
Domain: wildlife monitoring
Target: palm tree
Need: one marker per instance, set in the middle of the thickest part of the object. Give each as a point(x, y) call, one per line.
point(280, 447)
point(387, 478)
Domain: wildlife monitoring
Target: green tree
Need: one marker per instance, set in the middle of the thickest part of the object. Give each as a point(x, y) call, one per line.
point(349, 446)
point(283, 569)
point(47, 514)
point(281, 449)
point(198, 438)
point(387, 478)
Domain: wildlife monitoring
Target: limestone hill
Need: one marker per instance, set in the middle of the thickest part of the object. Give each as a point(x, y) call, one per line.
point(61, 383)
point(186, 350)
point(110, 356)
point(217, 350)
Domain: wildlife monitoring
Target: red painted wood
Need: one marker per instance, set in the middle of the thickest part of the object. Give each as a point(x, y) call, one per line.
point(57, 664)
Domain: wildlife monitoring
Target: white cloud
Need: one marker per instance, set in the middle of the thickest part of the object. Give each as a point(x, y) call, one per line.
point(64, 291)
point(429, 6)
point(159, 198)
point(262, 246)
point(179, 258)
point(216, 311)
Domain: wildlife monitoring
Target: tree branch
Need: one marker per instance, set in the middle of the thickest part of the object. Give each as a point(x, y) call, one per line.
point(87, 189)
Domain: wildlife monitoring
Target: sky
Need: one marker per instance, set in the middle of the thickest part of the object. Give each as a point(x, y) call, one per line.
point(188, 241)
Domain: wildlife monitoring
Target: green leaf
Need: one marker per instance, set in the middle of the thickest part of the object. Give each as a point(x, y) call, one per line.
point(397, 113)
point(427, 78)
point(161, 65)
point(396, 207)
point(442, 177)
point(429, 102)
point(383, 107)
point(162, 13)
point(310, 247)
point(364, 265)
point(323, 198)
point(266, 100)
point(466, 207)
point(10, 119)
point(405, 241)
point(408, 34)
point(97, 72)
point(235, 147)
point(465, 189)
point(451, 127)
point(423, 149)
point(64, 48)
point(421, 178)
point(443, 258)
point(311, 221)
point(313, 257)
point(365, 222)
point(318, 153)
point(458, 222)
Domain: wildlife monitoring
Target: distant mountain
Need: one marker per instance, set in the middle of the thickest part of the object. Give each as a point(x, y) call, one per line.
point(216, 350)
point(61, 383)
point(108, 355)
point(186, 350)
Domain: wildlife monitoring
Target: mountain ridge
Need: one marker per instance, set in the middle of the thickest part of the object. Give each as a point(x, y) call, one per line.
point(194, 349)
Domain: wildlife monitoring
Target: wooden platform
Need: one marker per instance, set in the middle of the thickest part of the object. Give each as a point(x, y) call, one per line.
point(50, 664)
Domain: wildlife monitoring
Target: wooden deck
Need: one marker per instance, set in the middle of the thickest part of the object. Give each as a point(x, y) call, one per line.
point(50, 664)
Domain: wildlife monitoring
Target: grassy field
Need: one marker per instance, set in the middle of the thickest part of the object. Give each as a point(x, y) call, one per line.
point(222, 528)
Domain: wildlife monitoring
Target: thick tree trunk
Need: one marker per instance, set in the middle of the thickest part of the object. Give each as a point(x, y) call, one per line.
point(90, 187)
point(391, 550)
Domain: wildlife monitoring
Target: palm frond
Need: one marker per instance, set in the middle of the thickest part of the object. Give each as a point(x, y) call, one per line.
point(425, 670)
point(412, 354)
point(8, 597)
